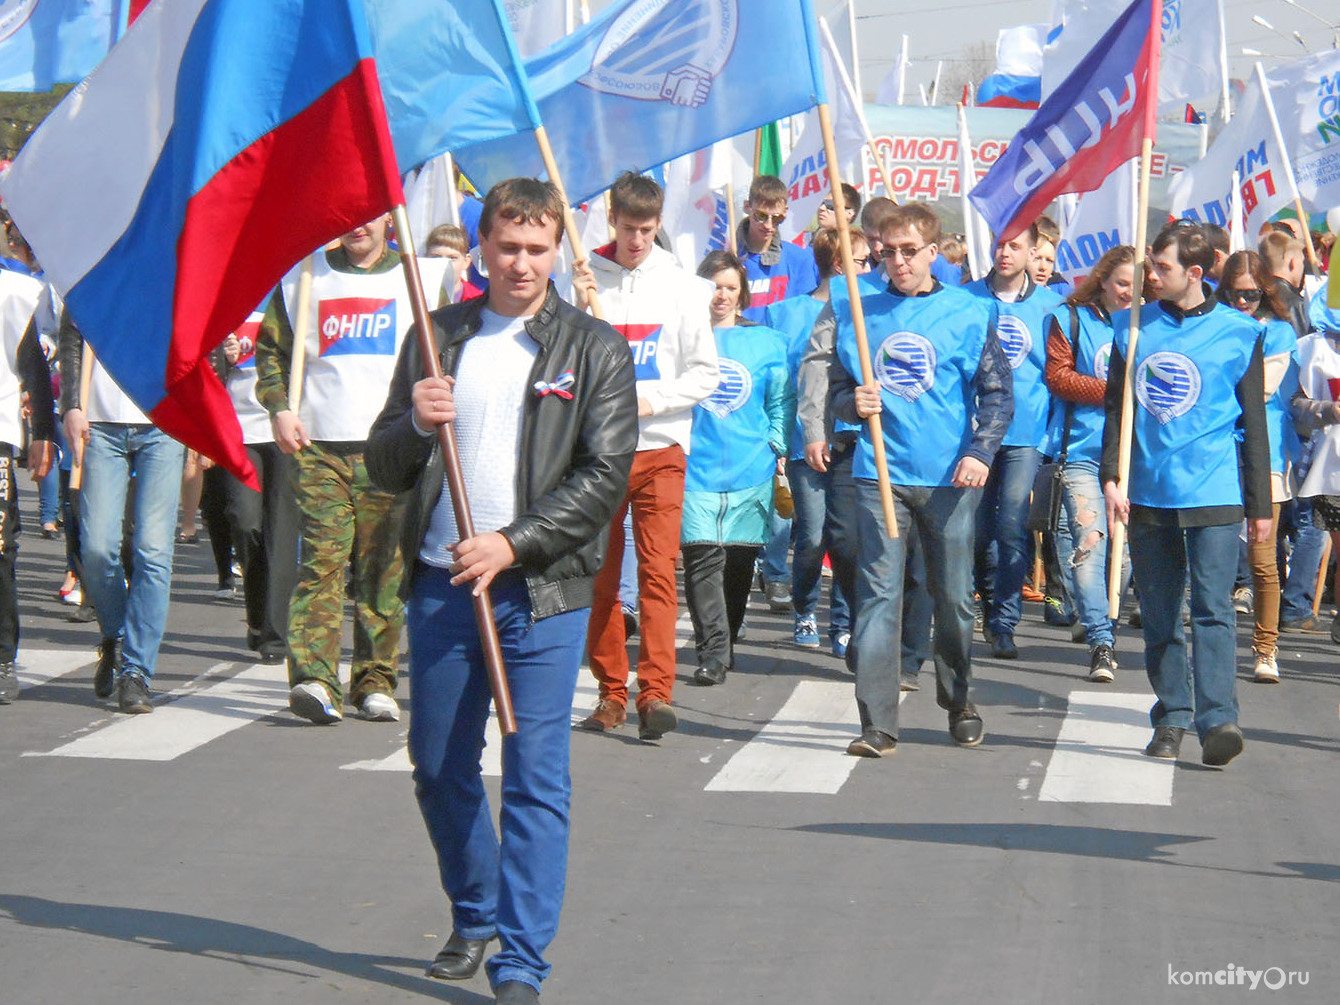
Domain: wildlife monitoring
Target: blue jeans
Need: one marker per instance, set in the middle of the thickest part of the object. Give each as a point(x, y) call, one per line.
point(816, 532)
point(1001, 554)
point(1304, 561)
point(135, 612)
point(773, 567)
point(628, 569)
point(1200, 691)
point(1085, 560)
point(513, 888)
point(48, 489)
point(944, 520)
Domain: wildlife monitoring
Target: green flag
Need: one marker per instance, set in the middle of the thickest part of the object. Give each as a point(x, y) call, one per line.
point(769, 151)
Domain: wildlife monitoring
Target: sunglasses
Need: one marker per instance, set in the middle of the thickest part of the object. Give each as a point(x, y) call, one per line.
point(761, 216)
point(907, 251)
point(1251, 296)
point(827, 204)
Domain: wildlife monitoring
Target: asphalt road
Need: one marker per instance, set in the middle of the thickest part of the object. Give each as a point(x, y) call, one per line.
point(221, 851)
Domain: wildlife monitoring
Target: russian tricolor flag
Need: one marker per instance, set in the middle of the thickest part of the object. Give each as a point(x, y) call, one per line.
point(218, 143)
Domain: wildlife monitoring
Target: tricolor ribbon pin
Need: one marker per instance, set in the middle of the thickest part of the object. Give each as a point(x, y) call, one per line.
point(558, 387)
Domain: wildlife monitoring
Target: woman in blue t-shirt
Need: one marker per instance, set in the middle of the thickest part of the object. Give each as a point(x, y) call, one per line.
point(1248, 286)
point(738, 434)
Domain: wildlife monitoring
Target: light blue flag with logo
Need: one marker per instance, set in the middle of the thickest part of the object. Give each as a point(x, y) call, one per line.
point(49, 42)
point(450, 76)
point(651, 80)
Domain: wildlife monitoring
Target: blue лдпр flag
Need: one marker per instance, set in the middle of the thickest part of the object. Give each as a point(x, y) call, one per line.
point(651, 80)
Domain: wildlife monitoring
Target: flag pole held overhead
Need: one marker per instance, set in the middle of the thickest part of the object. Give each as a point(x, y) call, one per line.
point(455, 474)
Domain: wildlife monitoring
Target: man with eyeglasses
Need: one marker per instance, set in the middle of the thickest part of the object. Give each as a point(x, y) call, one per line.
point(943, 391)
point(1001, 560)
point(776, 269)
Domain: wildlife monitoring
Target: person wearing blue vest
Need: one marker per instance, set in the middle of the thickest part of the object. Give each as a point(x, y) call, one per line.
point(1079, 342)
point(1199, 405)
point(825, 520)
point(739, 432)
point(1001, 557)
point(1247, 285)
point(943, 392)
point(777, 269)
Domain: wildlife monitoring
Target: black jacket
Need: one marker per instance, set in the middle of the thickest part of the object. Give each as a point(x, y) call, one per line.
point(575, 454)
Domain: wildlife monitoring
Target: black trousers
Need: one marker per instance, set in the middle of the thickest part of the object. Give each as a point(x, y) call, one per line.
point(717, 579)
point(265, 526)
point(9, 546)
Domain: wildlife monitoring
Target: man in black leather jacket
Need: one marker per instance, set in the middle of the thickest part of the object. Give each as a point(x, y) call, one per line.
point(542, 400)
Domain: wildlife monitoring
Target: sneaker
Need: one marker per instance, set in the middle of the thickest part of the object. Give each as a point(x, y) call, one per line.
point(1003, 647)
point(1267, 670)
point(132, 695)
point(872, 743)
point(965, 726)
point(1102, 664)
point(744, 630)
point(1335, 629)
point(1242, 600)
point(908, 682)
point(657, 719)
point(310, 700)
point(1308, 625)
point(629, 620)
point(1166, 743)
point(779, 595)
point(1220, 744)
point(225, 591)
point(9, 683)
point(378, 706)
point(841, 643)
point(608, 715)
point(1078, 633)
point(109, 665)
point(807, 632)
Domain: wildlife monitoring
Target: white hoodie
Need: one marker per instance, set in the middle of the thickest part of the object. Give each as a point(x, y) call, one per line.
point(665, 313)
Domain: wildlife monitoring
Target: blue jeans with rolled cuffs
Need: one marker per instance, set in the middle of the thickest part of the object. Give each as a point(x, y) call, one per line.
point(1161, 558)
point(134, 611)
point(944, 520)
point(510, 886)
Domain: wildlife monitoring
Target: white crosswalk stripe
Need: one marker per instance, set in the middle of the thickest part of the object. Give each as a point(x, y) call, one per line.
point(192, 719)
point(37, 666)
point(583, 701)
point(1099, 754)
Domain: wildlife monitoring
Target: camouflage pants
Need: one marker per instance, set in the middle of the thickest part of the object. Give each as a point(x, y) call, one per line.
point(343, 521)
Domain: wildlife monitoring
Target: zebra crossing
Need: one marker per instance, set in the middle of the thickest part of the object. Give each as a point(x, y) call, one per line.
point(1096, 757)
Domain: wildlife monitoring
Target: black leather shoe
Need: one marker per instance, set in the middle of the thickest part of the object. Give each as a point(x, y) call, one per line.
point(1003, 648)
point(872, 743)
point(515, 993)
point(709, 674)
point(965, 725)
point(1221, 744)
point(1166, 743)
point(459, 959)
point(109, 662)
point(132, 695)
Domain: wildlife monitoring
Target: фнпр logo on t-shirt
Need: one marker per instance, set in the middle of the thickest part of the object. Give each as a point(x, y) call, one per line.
point(357, 326)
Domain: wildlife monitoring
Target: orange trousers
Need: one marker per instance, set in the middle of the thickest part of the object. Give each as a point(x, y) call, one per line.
point(656, 495)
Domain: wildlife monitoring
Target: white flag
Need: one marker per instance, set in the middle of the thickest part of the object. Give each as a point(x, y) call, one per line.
point(430, 200)
point(537, 24)
point(806, 169)
point(1193, 54)
point(1101, 219)
point(692, 183)
point(1247, 145)
point(1307, 101)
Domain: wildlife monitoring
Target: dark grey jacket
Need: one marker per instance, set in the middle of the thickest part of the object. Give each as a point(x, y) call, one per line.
point(575, 454)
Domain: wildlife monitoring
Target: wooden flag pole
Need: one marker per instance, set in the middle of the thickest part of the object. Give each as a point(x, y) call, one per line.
point(1118, 529)
point(298, 361)
point(758, 150)
point(85, 382)
point(1288, 169)
point(857, 318)
point(731, 223)
point(460, 505)
point(569, 221)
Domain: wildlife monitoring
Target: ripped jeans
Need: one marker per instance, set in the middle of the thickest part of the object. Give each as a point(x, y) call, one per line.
point(1087, 559)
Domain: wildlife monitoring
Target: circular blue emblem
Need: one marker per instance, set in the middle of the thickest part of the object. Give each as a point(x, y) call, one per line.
point(1102, 359)
point(734, 387)
point(1167, 385)
point(13, 15)
point(905, 365)
point(1015, 339)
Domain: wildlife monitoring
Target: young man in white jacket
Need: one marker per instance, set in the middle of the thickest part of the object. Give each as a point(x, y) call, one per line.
point(662, 309)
